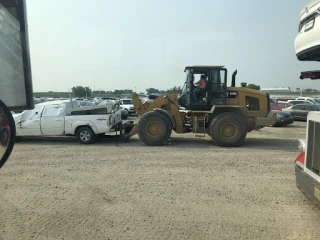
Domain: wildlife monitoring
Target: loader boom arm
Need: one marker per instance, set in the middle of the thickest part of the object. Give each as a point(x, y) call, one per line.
point(167, 102)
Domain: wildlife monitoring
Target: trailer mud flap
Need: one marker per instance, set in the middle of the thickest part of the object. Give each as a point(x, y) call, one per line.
point(308, 186)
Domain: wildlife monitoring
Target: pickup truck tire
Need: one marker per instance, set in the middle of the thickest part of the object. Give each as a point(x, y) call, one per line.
point(154, 128)
point(228, 129)
point(85, 135)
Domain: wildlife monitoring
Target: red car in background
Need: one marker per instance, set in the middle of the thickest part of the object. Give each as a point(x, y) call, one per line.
point(279, 105)
point(275, 106)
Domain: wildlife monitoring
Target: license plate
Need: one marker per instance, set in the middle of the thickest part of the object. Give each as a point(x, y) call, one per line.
point(316, 192)
point(309, 25)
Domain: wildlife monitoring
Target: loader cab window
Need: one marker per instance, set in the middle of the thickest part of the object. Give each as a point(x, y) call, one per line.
point(187, 83)
point(200, 87)
point(218, 78)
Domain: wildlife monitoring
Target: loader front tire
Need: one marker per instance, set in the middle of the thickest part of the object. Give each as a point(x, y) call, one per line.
point(154, 128)
point(228, 129)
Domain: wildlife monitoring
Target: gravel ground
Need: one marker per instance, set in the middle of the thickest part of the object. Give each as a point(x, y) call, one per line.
point(190, 189)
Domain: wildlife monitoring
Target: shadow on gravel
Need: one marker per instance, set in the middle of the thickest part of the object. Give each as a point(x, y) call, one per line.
point(63, 140)
point(270, 144)
point(174, 142)
point(296, 126)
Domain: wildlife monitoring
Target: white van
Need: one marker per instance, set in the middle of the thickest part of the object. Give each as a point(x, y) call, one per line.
point(312, 100)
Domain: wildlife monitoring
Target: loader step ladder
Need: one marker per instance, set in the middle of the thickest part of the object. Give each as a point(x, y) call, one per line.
point(200, 126)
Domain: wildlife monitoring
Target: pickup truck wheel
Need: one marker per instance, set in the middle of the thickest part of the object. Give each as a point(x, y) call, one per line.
point(228, 129)
point(85, 135)
point(154, 129)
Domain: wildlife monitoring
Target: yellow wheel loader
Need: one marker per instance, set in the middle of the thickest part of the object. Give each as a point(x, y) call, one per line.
point(226, 114)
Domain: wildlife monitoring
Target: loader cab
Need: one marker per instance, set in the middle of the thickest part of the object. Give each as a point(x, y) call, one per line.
point(195, 97)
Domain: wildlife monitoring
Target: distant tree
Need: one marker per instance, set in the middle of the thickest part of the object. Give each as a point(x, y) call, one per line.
point(310, 90)
point(80, 91)
point(152, 90)
point(253, 86)
point(99, 92)
point(172, 90)
point(118, 92)
point(88, 92)
point(127, 91)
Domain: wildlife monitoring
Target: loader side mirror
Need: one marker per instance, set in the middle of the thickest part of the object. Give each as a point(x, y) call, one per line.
point(7, 133)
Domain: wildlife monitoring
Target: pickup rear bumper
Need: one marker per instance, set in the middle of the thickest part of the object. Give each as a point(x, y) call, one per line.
point(308, 186)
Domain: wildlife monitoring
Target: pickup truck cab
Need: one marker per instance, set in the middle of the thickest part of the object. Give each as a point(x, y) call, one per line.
point(60, 118)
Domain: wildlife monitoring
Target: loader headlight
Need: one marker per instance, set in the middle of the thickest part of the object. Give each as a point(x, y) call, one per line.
point(302, 145)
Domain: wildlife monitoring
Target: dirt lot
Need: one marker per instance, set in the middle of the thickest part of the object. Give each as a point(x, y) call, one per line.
point(191, 189)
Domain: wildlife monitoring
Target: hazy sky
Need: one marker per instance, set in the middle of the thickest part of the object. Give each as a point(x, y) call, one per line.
point(121, 44)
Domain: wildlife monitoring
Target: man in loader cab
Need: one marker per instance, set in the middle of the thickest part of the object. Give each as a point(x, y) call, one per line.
point(201, 84)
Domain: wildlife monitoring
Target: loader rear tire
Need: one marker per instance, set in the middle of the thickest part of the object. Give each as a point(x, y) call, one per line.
point(228, 130)
point(154, 128)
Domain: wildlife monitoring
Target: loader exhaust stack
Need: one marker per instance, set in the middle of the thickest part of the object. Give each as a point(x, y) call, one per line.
point(233, 83)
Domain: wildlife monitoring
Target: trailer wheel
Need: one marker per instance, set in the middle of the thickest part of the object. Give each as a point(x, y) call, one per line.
point(154, 128)
point(228, 130)
point(4, 137)
point(85, 135)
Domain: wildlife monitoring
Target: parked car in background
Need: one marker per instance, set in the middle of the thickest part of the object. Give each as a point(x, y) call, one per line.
point(275, 106)
point(126, 104)
point(150, 98)
point(60, 118)
point(295, 102)
point(105, 102)
point(307, 42)
point(86, 103)
point(38, 100)
point(283, 119)
point(312, 100)
point(279, 105)
point(300, 111)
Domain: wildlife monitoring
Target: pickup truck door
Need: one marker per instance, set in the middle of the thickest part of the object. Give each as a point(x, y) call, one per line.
point(52, 121)
point(29, 122)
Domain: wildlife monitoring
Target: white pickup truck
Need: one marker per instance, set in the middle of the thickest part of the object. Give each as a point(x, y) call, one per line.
point(60, 118)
